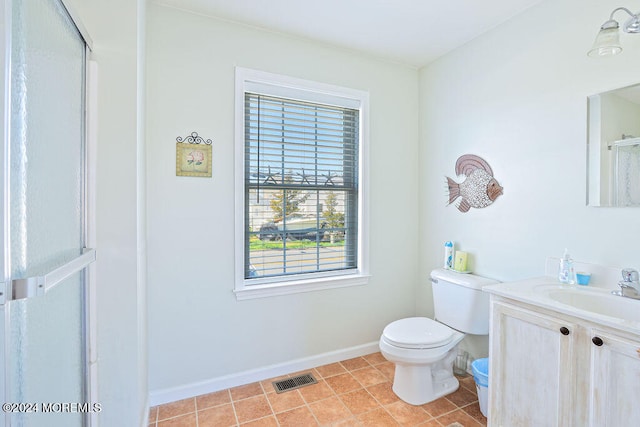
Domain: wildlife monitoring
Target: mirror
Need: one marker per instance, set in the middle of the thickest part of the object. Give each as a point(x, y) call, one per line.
point(613, 148)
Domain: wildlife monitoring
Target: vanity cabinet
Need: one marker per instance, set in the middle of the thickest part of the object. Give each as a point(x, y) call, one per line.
point(614, 383)
point(549, 369)
point(531, 372)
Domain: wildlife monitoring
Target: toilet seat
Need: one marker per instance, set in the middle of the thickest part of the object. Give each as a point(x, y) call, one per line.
point(417, 333)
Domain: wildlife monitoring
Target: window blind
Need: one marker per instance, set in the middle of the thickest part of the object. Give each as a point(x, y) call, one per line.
point(301, 186)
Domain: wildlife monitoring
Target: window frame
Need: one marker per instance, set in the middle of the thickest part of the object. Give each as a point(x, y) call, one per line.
point(248, 80)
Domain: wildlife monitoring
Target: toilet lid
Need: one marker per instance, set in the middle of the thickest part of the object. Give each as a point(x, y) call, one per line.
point(417, 332)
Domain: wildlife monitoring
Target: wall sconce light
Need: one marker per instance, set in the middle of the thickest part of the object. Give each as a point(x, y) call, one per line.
point(607, 41)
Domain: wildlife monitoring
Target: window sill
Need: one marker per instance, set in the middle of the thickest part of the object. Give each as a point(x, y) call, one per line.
point(298, 286)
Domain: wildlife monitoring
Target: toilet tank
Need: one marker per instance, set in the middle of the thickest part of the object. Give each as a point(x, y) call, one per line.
point(459, 302)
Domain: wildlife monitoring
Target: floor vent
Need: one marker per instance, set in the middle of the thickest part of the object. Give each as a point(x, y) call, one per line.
point(294, 383)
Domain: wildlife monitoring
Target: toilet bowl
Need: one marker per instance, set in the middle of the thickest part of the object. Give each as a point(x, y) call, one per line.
point(423, 350)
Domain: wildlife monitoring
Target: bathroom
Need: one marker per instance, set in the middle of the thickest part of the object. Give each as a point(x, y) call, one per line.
point(516, 96)
point(169, 324)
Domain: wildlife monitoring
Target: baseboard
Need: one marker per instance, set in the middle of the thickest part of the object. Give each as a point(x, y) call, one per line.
point(159, 397)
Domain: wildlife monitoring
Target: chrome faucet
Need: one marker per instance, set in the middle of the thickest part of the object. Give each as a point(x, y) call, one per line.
point(630, 284)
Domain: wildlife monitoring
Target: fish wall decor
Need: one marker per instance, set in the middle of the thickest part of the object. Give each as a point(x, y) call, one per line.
point(479, 188)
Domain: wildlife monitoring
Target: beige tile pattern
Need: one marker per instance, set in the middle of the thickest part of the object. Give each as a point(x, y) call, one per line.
point(354, 392)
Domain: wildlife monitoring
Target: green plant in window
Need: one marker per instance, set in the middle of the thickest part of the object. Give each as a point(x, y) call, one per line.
point(334, 218)
point(287, 202)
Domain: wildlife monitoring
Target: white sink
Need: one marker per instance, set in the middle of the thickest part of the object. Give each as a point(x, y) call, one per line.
point(592, 303)
point(598, 302)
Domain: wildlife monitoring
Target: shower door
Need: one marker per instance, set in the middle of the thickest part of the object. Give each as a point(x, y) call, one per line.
point(626, 180)
point(43, 256)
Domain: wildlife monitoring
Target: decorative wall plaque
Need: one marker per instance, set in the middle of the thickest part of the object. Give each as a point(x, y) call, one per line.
point(193, 156)
point(479, 189)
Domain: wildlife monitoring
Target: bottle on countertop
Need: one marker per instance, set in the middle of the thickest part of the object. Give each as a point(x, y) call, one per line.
point(448, 255)
point(567, 272)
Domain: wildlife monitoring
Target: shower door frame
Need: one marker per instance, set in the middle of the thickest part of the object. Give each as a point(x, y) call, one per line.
point(89, 370)
point(616, 166)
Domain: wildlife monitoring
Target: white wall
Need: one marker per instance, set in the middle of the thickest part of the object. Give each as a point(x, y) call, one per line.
point(517, 97)
point(114, 26)
point(197, 330)
point(621, 116)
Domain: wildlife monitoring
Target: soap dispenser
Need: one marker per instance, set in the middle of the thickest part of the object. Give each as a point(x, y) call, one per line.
point(566, 272)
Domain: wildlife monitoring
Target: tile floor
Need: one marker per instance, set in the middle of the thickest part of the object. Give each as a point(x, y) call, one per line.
point(354, 392)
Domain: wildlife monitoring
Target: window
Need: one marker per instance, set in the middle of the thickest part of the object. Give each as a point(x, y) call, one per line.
point(300, 189)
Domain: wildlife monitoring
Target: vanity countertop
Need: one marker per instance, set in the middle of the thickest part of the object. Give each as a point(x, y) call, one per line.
point(590, 303)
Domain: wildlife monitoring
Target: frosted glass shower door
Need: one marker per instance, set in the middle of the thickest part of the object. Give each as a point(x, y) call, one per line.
point(627, 172)
point(44, 345)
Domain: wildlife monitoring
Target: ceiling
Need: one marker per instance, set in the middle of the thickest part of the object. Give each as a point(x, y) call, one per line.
point(413, 32)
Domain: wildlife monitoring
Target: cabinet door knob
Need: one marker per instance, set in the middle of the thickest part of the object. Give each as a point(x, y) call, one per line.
point(564, 330)
point(597, 341)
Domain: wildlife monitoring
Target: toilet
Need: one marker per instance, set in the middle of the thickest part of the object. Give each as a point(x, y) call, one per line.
point(423, 349)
